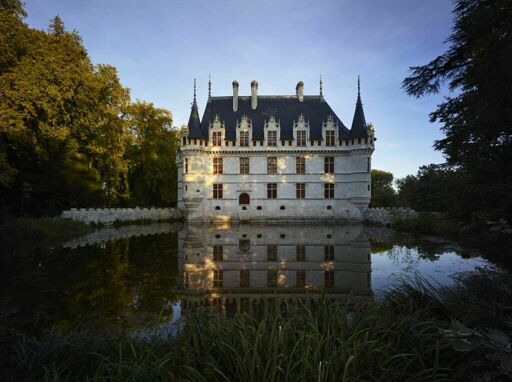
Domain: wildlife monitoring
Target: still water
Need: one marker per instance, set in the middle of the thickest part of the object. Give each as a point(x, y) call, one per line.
point(142, 278)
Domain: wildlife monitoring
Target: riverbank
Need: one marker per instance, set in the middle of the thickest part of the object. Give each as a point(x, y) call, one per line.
point(413, 333)
point(494, 244)
point(45, 230)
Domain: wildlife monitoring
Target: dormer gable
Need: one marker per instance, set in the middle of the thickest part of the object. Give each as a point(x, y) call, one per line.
point(301, 131)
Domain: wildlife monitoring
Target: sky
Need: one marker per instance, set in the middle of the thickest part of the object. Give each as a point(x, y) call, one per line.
point(160, 46)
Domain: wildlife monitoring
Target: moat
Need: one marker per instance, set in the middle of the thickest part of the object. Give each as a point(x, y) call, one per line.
point(145, 278)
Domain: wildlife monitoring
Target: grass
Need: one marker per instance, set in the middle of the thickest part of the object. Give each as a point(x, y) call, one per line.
point(414, 333)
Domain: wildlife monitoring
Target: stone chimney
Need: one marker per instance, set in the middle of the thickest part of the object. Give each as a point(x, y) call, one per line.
point(254, 94)
point(235, 95)
point(300, 90)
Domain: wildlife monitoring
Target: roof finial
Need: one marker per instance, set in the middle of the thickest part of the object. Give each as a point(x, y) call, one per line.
point(358, 88)
point(209, 86)
point(321, 92)
point(195, 103)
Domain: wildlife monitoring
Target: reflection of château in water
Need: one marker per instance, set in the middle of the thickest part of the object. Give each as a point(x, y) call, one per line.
point(251, 267)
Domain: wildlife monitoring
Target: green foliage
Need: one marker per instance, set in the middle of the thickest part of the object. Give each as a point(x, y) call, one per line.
point(412, 334)
point(14, 8)
point(435, 188)
point(66, 133)
point(153, 172)
point(477, 119)
point(383, 194)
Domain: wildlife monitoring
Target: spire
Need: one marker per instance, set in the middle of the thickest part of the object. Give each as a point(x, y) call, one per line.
point(358, 88)
point(321, 92)
point(209, 86)
point(194, 123)
point(195, 102)
point(359, 122)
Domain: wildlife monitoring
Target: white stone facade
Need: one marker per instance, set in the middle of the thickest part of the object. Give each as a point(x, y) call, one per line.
point(249, 267)
point(248, 196)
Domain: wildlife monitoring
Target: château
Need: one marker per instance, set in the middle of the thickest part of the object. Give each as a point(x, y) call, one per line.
point(274, 158)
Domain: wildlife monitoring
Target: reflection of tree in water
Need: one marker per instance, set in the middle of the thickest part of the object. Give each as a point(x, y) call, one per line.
point(422, 249)
point(124, 282)
point(132, 279)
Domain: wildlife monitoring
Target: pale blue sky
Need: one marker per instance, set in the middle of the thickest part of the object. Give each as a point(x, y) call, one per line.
point(159, 46)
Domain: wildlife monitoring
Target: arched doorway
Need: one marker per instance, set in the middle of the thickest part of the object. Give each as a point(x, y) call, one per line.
point(243, 198)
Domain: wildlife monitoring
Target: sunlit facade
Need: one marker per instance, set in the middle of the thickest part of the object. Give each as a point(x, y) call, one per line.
point(274, 158)
point(256, 268)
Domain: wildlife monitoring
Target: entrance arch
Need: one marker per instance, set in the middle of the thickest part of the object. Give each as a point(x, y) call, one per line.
point(243, 199)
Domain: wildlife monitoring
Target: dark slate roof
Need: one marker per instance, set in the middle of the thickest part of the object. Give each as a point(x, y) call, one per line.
point(286, 110)
point(194, 124)
point(359, 122)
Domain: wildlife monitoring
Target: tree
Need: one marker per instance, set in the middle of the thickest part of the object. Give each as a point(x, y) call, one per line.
point(477, 118)
point(434, 188)
point(153, 171)
point(56, 27)
point(383, 194)
point(14, 8)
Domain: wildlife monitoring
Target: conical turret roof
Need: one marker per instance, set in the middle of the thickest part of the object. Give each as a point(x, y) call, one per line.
point(358, 128)
point(194, 123)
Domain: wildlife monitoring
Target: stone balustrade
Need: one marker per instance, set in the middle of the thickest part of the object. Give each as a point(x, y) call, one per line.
point(110, 215)
point(388, 215)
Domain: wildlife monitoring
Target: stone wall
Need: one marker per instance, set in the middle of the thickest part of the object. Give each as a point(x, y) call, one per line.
point(110, 215)
point(110, 233)
point(388, 215)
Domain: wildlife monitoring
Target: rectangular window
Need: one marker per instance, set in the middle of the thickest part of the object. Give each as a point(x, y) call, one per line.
point(217, 191)
point(272, 278)
point(244, 138)
point(300, 165)
point(329, 165)
point(186, 165)
point(184, 141)
point(300, 190)
point(329, 138)
point(217, 304)
point(271, 165)
point(328, 252)
point(217, 166)
point(301, 138)
point(216, 138)
point(271, 190)
point(329, 190)
point(272, 138)
point(218, 253)
point(244, 166)
point(185, 279)
point(300, 278)
point(271, 252)
point(245, 278)
point(218, 279)
point(300, 251)
point(369, 164)
point(329, 279)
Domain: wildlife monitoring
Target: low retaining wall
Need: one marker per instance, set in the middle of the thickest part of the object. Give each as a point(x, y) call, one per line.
point(106, 234)
point(389, 215)
point(110, 215)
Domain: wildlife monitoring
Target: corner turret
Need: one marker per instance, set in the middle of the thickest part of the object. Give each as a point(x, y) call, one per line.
point(194, 123)
point(359, 127)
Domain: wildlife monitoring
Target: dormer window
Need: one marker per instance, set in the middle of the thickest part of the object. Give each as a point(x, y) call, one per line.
point(330, 131)
point(301, 138)
point(216, 138)
point(244, 138)
point(272, 138)
point(329, 138)
point(301, 131)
